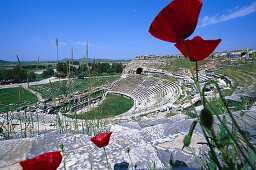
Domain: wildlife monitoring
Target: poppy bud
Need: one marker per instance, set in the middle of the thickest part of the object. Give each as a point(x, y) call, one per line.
point(128, 149)
point(206, 118)
point(61, 146)
point(187, 140)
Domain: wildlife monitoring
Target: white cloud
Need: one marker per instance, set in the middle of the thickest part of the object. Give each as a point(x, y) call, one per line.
point(232, 14)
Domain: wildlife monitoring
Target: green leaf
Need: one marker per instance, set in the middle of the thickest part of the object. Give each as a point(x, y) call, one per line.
point(212, 165)
point(251, 158)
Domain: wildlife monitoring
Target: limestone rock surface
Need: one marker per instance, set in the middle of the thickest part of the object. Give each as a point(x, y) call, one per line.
point(151, 141)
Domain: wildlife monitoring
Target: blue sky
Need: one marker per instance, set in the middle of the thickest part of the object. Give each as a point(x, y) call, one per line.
point(115, 29)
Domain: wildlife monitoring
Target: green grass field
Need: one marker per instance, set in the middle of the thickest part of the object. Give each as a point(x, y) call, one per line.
point(174, 64)
point(113, 105)
point(76, 85)
point(10, 98)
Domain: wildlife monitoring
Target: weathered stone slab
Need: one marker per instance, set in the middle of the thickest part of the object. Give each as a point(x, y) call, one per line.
point(233, 98)
point(152, 122)
point(132, 125)
point(250, 120)
point(14, 151)
point(168, 132)
point(80, 152)
point(249, 95)
point(179, 156)
point(154, 143)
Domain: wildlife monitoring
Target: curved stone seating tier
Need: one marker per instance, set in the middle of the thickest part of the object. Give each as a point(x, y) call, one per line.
point(147, 90)
point(237, 76)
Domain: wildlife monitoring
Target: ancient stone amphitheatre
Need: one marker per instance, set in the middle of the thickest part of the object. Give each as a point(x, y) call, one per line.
point(164, 103)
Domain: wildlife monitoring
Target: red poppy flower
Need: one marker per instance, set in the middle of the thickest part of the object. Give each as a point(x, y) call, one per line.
point(176, 21)
point(197, 48)
point(46, 161)
point(102, 139)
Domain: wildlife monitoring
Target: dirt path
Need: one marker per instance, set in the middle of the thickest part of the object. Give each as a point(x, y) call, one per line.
point(45, 81)
point(38, 95)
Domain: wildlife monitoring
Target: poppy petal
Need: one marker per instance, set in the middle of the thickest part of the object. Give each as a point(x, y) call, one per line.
point(177, 20)
point(46, 161)
point(102, 139)
point(198, 49)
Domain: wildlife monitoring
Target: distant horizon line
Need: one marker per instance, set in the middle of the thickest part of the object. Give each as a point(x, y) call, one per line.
point(116, 59)
point(68, 59)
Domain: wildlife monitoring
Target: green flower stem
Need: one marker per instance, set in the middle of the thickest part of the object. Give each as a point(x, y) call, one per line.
point(106, 156)
point(230, 134)
point(37, 119)
point(25, 122)
point(200, 160)
point(216, 160)
point(246, 133)
point(64, 162)
point(238, 153)
point(191, 69)
point(234, 121)
point(224, 154)
point(57, 54)
point(8, 131)
point(230, 114)
point(199, 89)
point(225, 104)
point(20, 126)
point(196, 71)
point(130, 160)
point(242, 142)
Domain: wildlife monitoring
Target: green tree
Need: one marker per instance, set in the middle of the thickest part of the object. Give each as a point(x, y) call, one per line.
point(32, 76)
point(48, 73)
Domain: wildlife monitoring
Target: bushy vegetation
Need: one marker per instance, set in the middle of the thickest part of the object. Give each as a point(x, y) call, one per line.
point(17, 75)
point(48, 73)
point(34, 66)
point(113, 105)
point(82, 71)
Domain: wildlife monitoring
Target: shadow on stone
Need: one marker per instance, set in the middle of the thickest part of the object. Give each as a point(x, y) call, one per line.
point(179, 164)
point(121, 166)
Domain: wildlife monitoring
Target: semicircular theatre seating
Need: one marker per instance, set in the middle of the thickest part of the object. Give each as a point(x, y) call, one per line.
point(147, 91)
